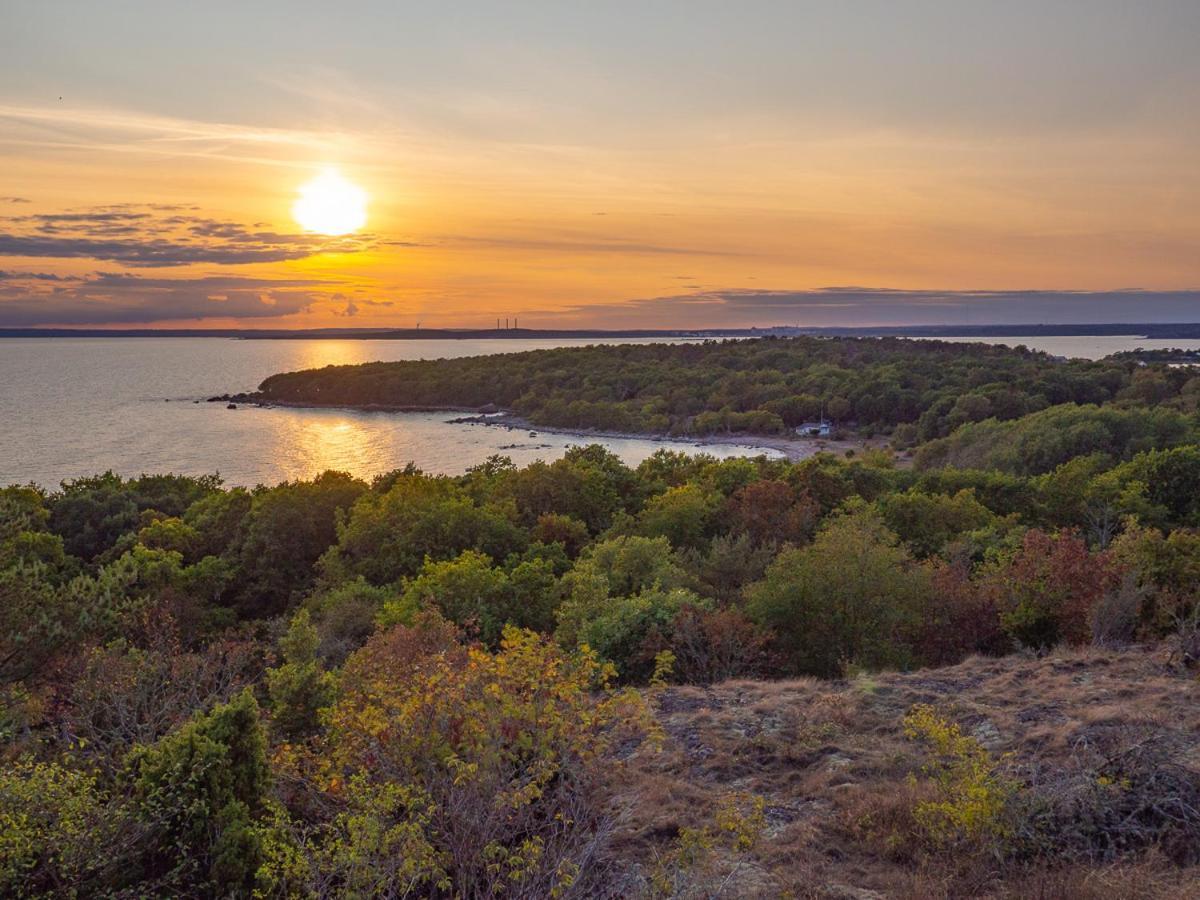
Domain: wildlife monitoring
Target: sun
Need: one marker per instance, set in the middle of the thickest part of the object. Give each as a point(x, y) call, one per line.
point(329, 204)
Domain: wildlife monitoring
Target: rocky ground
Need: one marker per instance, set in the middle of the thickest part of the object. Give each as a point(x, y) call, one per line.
point(839, 780)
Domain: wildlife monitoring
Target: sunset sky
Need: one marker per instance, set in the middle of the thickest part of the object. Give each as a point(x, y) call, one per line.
point(648, 164)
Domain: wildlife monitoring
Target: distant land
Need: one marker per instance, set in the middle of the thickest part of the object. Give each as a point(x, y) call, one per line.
point(1158, 330)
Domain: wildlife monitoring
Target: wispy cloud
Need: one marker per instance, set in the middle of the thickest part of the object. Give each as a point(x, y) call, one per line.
point(134, 132)
point(30, 276)
point(550, 245)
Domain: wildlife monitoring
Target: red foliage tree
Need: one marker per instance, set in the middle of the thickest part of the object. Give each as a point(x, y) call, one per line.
point(1047, 589)
point(770, 510)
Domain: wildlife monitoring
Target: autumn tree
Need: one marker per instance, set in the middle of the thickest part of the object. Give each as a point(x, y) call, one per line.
point(1047, 588)
point(489, 775)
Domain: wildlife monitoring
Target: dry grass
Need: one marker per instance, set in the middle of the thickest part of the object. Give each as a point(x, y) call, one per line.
point(832, 763)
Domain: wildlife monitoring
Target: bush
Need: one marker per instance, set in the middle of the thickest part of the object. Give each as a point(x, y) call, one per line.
point(201, 790)
point(486, 771)
point(58, 832)
point(975, 802)
point(479, 597)
point(120, 695)
point(388, 536)
point(849, 597)
point(1047, 589)
point(714, 645)
point(626, 631)
point(345, 616)
point(959, 619)
point(1124, 795)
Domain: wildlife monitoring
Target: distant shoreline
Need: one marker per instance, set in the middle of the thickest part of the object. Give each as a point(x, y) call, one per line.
point(1141, 330)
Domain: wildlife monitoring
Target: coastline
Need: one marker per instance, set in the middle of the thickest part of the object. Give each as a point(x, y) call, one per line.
point(793, 449)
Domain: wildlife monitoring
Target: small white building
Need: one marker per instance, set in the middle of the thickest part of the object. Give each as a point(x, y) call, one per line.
point(815, 429)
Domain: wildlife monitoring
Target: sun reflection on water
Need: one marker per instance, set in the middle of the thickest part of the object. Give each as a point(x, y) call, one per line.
point(316, 444)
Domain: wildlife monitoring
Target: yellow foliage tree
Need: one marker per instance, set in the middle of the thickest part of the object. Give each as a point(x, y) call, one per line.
point(487, 773)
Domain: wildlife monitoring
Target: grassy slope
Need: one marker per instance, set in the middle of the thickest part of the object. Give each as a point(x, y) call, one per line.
point(829, 757)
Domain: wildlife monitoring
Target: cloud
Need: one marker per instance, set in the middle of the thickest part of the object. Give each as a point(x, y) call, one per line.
point(15, 200)
point(95, 130)
point(122, 298)
point(30, 276)
point(158, 236)
point(580, 246)
point(869, 307)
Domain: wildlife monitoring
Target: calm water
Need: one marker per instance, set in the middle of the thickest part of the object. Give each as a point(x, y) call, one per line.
point(1082, 346)
point(78, 406)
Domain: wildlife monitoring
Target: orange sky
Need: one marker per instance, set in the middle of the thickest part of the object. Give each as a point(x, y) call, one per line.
point(601, 168)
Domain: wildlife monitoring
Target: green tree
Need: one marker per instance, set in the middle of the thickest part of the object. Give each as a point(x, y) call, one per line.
point(685, 515)
point(845, 598)
point(59, 833)
point(287, 529)
point(388, 536)
point(927, 522)
point(299, 689)
point(468, 590)
point(626, 630)
point(345, 615)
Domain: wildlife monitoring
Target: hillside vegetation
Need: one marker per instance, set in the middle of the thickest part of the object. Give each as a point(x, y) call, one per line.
point(692, 678)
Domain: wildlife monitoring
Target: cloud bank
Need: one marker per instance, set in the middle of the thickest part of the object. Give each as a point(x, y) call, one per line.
point(125, 299)
point(867, 307)
point(159, 236)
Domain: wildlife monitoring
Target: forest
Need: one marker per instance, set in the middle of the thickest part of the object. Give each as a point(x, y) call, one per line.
point(440, 686)
point(911, 391)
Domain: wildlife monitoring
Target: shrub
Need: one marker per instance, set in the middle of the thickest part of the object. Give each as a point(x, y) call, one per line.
point(58, 833)
point(1124, 794)
point(552, 528)
point(626, 631)
point(771, 512)
point(975, 799)
point(120, 695)
point(345, 616)
point(927, 522)
point(683, 515)
point(479, 597)
point(960, 618)
point(496, 763)
point(1047, 589)
point(713, 645)
point(201, 790)
point(729, 564)
point(704, 860)
point(388, 536)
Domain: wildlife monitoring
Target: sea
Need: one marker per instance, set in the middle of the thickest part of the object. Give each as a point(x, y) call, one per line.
point(71, 407)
